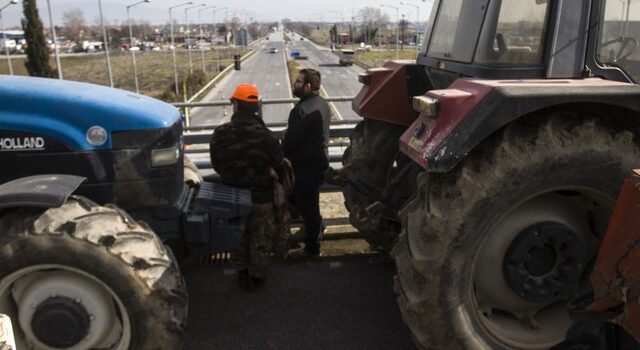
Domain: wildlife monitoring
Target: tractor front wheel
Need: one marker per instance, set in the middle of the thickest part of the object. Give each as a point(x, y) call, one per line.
point(83, 276)
point(491, 253)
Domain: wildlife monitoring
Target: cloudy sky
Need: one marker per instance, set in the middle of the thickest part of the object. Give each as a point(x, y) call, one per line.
point(156, 11)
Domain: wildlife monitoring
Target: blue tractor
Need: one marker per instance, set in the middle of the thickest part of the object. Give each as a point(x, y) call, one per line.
point(93, 205)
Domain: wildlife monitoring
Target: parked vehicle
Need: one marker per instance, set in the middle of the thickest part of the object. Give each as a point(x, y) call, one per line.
point(345, 57)
point(296, 55)
point(103, 260)
point(607, 318)
point(491, 164)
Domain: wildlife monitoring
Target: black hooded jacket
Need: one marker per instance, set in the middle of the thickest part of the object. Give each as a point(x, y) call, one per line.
point(306, 138)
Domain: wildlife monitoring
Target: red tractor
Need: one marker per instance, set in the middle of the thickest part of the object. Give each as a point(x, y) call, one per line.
point(609, 317)
point(489, 167)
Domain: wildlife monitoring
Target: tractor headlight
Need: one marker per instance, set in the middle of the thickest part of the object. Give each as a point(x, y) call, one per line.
point(165, 156)
point(425, 104)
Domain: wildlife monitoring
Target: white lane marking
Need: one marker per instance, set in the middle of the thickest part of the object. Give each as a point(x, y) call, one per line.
point(333, 106)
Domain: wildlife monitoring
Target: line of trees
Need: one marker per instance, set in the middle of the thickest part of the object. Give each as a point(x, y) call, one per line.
point(365, 26)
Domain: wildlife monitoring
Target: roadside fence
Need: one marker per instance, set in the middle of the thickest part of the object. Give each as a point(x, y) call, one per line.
point(196, 138)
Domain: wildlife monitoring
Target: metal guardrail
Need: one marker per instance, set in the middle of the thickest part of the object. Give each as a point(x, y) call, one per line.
point(264, 102)
point(196, 138)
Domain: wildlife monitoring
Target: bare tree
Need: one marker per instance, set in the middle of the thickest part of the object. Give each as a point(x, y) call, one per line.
point(372, 20)
point(403, 28)
point(74, 25)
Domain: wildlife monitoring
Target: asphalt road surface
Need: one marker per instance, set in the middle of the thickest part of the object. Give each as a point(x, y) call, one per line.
point(340, 302)
point(266, 70)
point(336, 80)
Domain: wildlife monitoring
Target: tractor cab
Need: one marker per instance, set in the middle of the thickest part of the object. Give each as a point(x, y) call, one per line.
point(508, 40)
point(514, 39)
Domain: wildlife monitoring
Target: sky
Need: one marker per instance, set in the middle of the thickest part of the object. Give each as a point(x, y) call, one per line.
point(156, 12)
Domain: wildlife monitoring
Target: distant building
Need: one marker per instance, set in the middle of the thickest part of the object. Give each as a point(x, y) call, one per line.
point(14, 40)
point(16, 35)
point(218, 39)
point(241, 37)
point(344, 38)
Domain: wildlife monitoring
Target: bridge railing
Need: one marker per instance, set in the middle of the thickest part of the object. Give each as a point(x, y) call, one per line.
point(196, 138)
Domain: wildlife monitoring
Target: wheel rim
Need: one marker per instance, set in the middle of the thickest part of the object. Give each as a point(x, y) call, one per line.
point(534, 260)
point(39, 298)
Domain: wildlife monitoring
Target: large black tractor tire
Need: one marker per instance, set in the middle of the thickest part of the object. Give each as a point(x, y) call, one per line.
point(491, 252)
point(372, 159)
point(84, 276)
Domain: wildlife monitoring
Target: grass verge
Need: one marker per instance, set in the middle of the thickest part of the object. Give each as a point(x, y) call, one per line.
point(155, 70)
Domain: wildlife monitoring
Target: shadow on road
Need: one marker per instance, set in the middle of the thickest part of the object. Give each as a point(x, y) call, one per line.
point(340, 302)
point(330, 65)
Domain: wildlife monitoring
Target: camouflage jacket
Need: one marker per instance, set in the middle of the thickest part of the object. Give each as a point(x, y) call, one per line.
point(243, 152)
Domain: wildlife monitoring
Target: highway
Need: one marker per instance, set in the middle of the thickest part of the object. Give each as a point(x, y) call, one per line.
point(336, 80)
point(268, 71)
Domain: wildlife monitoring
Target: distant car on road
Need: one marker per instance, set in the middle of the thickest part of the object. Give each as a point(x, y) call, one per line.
point(345, 57)
point(273, 50)
point(296, 55)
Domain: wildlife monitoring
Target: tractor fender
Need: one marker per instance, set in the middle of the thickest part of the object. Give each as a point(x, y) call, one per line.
point(469, 111)
point(43, 191)
point(387, 91)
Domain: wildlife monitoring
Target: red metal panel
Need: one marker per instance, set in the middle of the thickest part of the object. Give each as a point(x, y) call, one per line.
point(386, 98)
point(456, 103)
point(616, 276)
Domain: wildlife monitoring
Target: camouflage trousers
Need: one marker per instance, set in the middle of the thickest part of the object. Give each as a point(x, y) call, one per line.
point(263, 235)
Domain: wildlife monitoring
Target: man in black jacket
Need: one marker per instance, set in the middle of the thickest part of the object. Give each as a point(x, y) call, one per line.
point(305, 145)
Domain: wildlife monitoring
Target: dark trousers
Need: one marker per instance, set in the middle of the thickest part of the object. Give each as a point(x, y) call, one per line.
point(306, 200)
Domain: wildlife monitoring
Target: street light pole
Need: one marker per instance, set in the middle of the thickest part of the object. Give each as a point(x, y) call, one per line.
point(133, 54)
point(186, 20)
point(397, 25)
point(417, 22)
point(380, 39)
point(337, 26)
point(204, 68)
point(106, 44)
point(55, 40)
point(4, 35)
point(213, 18)
point(173, 46)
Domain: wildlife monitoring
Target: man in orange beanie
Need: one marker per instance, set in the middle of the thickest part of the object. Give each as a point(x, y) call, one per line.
point(245, 154)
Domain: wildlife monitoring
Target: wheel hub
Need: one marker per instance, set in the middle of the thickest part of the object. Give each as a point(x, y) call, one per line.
point(545, 262)
point(63, 309)
point(60, 322)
